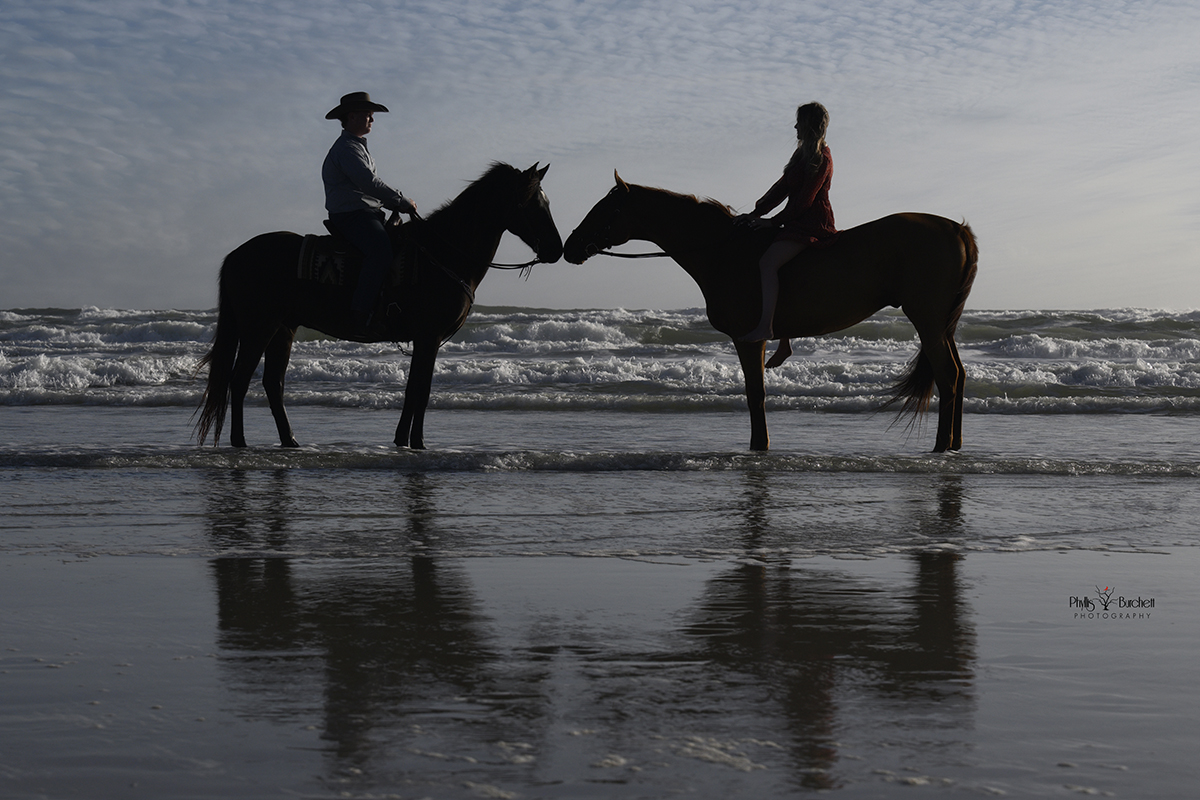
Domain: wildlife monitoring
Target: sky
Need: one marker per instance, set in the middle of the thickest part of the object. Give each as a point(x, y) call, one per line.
point(142, 140)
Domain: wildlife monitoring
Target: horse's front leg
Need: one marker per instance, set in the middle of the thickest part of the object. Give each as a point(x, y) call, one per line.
point(411, 430)
point(750, 354)
point(279, 352)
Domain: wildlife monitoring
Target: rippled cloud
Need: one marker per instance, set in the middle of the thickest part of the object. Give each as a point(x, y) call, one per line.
point(140, 141)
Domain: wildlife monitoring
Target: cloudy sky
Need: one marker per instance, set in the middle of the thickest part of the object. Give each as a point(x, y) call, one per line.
point(141, 140)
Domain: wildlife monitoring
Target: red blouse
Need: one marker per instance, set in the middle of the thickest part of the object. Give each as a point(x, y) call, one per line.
point(808, 216)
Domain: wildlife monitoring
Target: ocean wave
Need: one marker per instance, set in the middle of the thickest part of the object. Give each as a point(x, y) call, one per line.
point(1035, 346)
point(611, 383)
point(81, 374)
point(1017, 362)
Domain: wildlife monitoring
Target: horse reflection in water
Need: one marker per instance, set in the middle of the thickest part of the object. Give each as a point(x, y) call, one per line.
point(404, 657)
point(370, 641)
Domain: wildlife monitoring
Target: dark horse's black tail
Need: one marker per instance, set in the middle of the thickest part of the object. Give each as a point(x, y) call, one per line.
point(916, 383)
point(219, 360)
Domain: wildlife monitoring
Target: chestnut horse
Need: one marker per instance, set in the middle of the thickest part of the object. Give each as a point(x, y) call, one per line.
point(262, 301)
point(921, 263)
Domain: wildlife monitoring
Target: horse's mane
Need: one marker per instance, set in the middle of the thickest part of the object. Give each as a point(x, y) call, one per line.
point(496, 178)
point(706, 205)
point(711, 217)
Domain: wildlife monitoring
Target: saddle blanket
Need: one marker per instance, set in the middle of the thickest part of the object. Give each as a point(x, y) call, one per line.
point(325, 259)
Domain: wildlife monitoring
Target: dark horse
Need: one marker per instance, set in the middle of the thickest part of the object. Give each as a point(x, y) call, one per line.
point(262, 301)
point(921, 263)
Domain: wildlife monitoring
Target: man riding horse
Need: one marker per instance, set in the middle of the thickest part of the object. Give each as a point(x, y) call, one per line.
point(355, 197)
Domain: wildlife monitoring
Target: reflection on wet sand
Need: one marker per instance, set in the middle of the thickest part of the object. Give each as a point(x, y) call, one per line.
point(375, 642)
point(388, 655)
point(812, 638)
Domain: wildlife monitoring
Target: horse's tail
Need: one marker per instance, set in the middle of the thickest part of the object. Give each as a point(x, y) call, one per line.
point(915, 387)
point(219, 360)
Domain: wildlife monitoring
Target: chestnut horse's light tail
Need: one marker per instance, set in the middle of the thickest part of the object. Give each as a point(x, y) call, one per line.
point(915, 387)
point(219, 360)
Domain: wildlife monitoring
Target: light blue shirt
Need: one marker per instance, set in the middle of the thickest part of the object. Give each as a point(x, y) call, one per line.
point(350, 180)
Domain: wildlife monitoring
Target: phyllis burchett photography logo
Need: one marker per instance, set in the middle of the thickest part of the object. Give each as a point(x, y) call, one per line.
point(1106, 604)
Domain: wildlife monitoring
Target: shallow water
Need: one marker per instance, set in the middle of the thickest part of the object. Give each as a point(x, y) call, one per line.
point(596, 604)
point(596, 677)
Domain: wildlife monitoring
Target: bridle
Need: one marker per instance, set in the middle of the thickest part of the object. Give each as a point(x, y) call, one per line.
point(593, 250)
point(527, 267)
point(606, 235)
point(454, 277)
point(465, 287)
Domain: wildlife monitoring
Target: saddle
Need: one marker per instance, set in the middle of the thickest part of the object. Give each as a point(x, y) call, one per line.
point(333, 261)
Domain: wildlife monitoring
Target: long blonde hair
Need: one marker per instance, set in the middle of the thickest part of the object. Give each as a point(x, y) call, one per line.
point(813, 119)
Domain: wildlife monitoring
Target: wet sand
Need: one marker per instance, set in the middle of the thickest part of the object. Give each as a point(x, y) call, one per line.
point(554, 615)
point(259, 676)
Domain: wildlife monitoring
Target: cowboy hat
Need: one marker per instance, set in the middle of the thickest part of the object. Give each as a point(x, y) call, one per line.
point(355, 101)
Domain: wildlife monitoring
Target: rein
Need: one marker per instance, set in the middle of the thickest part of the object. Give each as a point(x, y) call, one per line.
point(452, 275)
point(659, 254)
point(527, 266)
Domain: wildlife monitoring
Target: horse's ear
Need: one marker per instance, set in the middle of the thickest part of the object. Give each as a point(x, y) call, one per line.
point(620, 183)
point(529, 173)
point(542, 172)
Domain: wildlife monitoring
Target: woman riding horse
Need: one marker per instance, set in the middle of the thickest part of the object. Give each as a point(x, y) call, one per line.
point(806, 220)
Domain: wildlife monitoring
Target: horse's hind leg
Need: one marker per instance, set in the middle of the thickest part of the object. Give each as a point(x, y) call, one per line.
point(750, 354)
point(279, 351)
point(949, 377)
point(960, 390)
point(250, 352)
